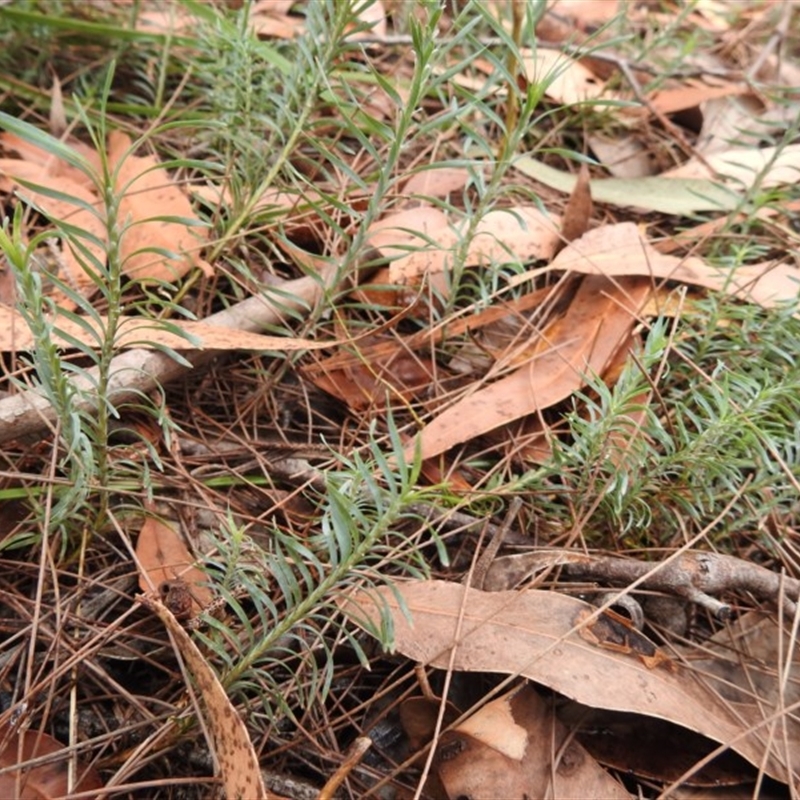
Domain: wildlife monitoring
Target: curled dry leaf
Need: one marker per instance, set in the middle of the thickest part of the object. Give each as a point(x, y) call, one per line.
point(578, 211)
point(543, 636)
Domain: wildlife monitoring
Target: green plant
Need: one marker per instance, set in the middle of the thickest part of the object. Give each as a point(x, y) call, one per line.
point(369, 534)
point(79, 390)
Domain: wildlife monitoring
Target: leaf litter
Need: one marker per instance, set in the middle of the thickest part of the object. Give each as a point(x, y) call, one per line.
point(485, 330)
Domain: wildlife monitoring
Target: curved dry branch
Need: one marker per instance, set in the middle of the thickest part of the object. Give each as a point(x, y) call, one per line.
point(139, 371)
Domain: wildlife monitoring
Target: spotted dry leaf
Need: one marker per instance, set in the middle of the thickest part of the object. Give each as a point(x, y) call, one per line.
point(238, 763)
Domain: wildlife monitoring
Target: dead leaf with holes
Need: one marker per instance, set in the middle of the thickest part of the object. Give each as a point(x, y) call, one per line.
point(537, 634)
point(34, 766)
point(229, 741)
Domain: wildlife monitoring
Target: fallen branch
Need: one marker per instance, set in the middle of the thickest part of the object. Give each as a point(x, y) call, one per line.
point(137, 372)
point(694, 575)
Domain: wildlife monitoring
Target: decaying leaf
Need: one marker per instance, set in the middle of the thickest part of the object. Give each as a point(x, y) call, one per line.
point(34, 766)
point(235, 755)
point(558, 362)
point(536, 634)
point(515, 748)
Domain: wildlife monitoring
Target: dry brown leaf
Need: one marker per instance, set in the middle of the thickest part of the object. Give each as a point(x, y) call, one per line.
point(558, 362)
point(587, 12)
point(768, 166)
point(519, 234)
point(149, 334)
point(536, 634)
point(652, 749)
point(692, 94)
point(39, 781)
point(176, 20)
point(749, 656)
point(622, 154)
point(271, 19)
point(578, 211)
point(421, 240)
point(230, 742)
point(515, 748)
point(371, 381)
point(74, 269)
point(148, 193)
point(31, 154)
point(622, 249)
point(372, 16)
point(164, 558)
point(733, 118)
point(439, 182)
point(417, 240)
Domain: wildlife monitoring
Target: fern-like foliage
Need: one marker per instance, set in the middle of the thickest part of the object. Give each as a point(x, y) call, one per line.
point(286, 620)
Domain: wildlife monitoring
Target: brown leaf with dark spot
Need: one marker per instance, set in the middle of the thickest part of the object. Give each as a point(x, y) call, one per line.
point(237, 759)
point(169, 567)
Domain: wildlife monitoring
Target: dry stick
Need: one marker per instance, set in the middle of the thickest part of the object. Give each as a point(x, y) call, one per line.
point(354, 755)
point(139, 371)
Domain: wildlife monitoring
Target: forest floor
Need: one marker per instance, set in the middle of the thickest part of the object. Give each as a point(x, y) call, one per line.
point(399, 399)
